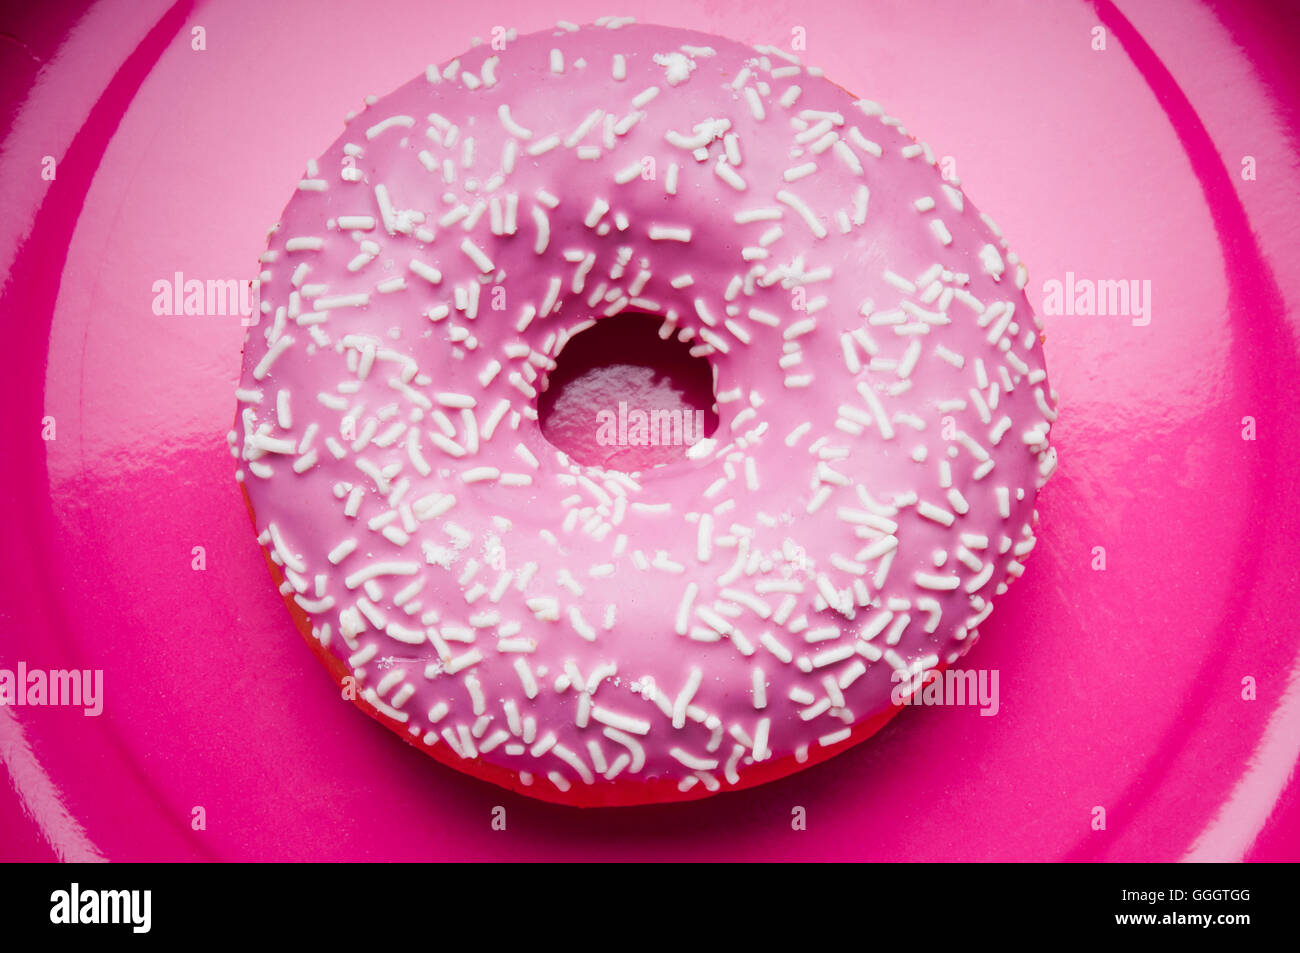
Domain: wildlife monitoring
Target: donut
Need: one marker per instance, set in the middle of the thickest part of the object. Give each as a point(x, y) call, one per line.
point(595, 637)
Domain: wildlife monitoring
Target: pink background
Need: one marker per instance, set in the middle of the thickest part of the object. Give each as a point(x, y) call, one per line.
point(1119, 689)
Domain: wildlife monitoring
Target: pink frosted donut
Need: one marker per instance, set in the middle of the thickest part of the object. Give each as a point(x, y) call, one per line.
point(598, 637)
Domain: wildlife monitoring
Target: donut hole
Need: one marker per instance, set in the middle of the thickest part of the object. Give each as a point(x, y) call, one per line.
point(623, 398)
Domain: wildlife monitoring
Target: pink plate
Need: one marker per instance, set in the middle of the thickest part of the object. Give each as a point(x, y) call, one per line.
point(1162, 688)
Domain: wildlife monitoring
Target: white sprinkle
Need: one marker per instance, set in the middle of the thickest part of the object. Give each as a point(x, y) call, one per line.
point(512, 127)
point(865, 144)
point(692, 761)
point(935, 513)
point(264, 365)
point(758, 215)
point(899, 282)
point(480, 475)
point(544, 146)
point(677, 67)
point(795, 173)
point(382, 568)
point(806, 213)
point(641, 99)
point(598, 209)
point(580, 625)
point(704, 539)
point(583, 128)
point(341, 551)
point(403, 121)
point(847, 157)
point(526, 678)
point(860, 199)
point(636, 726)
point(992, 261)
point(684, 697)
point(727, 174)
point(358, 300)
point(476, 255)
point(451, 399)
point(761, 752)
point(799, 328)
point(628, 173)
point(543, 231)
point(552, 296)
point(666, 233)
point(956, 360)
point(877, 410)
point(427, 272)
point(930, 581)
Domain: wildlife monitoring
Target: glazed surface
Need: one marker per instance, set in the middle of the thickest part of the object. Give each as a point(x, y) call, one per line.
point(884, 412)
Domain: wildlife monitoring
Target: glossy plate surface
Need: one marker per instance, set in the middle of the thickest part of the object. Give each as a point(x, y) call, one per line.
point(1120, 688)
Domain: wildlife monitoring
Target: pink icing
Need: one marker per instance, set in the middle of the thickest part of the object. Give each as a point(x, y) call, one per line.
point(598, 637)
